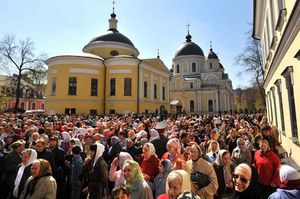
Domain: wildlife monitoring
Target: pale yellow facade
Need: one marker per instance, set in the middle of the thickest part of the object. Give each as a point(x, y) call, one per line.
point(108, 77)
point(277, 25)
point(198, 83)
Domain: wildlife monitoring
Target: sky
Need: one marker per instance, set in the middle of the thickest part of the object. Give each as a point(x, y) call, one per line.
point(65, 26)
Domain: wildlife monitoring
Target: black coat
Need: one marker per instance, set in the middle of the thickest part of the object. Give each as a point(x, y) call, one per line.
point(12, 161)
point(48, 155)
point(222, 188)
point(160, 144)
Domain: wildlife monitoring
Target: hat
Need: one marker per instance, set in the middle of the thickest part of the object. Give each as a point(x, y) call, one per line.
point(54, 137)
point(161, 125)
point(16, 144)
point(288, 173)
point(188, 195)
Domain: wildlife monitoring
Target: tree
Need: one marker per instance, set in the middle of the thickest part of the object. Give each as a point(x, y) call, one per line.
point(18, 57)
point(251, 58)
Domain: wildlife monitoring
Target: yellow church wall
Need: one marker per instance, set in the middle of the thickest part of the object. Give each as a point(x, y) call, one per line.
point(83, 101)
point(81, 106)
point(119, 102)
point(204, 100)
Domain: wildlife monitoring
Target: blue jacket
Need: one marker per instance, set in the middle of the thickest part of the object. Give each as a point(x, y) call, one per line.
point(285, 194)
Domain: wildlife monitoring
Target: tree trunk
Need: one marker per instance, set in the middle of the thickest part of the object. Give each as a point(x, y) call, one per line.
point(18, 91)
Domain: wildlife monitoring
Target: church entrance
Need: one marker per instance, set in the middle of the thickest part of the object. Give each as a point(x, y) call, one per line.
point(210, 106)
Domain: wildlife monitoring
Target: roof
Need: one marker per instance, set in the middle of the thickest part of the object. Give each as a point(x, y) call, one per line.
point(212, 55)
point(189, 48)
point(112, 35)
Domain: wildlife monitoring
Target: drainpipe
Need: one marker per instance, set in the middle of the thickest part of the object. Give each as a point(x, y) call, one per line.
point(138, 87)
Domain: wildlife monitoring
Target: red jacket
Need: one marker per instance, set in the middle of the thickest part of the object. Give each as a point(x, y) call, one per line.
point(150, 166)
point(267, 166)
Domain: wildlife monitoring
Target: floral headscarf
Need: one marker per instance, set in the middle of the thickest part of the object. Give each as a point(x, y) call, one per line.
point(137, 174)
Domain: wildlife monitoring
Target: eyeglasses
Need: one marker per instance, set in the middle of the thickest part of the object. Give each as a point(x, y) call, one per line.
point(242, 178)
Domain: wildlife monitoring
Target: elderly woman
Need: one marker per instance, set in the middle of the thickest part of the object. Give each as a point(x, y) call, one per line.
point(212, 151)
point(224, 168)
point(173, 154)
point(96, 173)
point(115, 175)
point(178, 181)
point(159, 184)
point(199, 165)
point(149, 162)
point(28, 156)
point(290, 183)
point(267, 165)
point(134, 181)
point(40, 184)
point(241, 154)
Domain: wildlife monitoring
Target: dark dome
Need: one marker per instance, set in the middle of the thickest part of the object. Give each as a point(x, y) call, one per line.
point(212, 55)
point(113, 35)
point(189, 48)
point(221, 66)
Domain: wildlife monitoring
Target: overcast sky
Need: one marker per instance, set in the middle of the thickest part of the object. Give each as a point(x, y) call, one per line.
point(66, 26)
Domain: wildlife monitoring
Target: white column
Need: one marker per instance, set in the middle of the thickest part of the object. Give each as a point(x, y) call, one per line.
point(151, 87)
point(160, 89)
point(217, 102)
point(141, 83)
point(199, 102)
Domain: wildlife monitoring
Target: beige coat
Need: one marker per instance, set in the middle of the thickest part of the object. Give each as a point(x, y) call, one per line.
point(205, 167)
point(45, 188)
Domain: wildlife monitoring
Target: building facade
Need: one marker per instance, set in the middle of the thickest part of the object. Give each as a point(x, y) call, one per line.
point(198, 84)
point(277, 24)
point(107, 78)
point(30, 97)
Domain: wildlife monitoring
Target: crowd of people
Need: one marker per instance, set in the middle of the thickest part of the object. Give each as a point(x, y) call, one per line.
point(227, 156)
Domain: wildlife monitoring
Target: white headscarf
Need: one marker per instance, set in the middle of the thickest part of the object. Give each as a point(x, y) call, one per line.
point(99, 152)
point(33, 156)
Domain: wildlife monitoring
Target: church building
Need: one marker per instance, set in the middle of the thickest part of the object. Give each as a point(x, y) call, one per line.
point(107, 78)
point(198, 84)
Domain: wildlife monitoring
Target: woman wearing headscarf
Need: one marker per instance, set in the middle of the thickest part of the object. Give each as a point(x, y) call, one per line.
point(267, 165)
point(40, 184)
point(134, 181)
point(28, 156)
point(153, 134)
point(149, 162)
point(115, 148)
point(115, 175)
point(178, 181)
point(289, 184)
point(173, 154)
point(201, 166)
point(224, 169)
point(159, 184)
point(96, 173)
point(212, 151)
point(241, 154)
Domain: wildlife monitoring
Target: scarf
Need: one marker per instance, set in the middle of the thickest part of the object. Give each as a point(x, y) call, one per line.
point(33, 156)
point(226, 168)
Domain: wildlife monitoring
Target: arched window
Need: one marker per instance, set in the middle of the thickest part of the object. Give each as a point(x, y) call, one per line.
point(33, 106)
point(192, 106)
point(43, 106)
point(210, 106)
point(193, 67)
point(177, 68)
point(210, 65)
